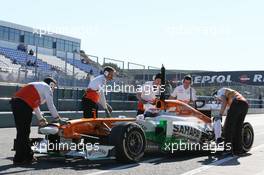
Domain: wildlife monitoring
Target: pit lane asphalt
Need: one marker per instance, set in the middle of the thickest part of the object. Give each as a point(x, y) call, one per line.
point(155, 163)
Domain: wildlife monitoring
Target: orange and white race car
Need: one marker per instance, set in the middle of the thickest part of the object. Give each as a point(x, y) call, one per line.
point(164, 127)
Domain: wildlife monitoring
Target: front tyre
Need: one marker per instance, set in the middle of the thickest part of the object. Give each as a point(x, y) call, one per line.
point(129, 141)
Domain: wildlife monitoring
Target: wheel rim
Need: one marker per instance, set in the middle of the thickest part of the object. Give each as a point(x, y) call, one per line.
point(135, 143)
point(247, 137)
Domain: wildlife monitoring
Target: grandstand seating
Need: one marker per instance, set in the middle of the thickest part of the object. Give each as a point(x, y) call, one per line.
point(7, 63)
point(22, 58)
point(84, 67)
point(55, 61)
point(45, 62)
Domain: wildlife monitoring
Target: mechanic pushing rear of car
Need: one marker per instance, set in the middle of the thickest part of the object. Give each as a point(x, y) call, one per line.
point(94, 94)
point(26, 100)
point(149, 93)
point(238, 108)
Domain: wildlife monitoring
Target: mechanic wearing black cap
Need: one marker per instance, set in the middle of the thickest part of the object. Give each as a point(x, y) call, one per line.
point(238, 108)
point(185, 92)
point(94, 94)
point(26, 100)
point(149, 92)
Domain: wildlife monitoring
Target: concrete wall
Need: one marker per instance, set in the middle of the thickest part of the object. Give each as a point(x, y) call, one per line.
point(69, 100)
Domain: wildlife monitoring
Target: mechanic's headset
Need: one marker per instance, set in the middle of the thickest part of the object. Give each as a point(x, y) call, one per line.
point(107, 70)
point(106, 73)
point(51, 82)
point(52, 85)
point(187, 77)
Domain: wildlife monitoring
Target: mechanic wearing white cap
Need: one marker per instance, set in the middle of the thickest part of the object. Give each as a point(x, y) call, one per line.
point(238, 108)
point(26, 100)
point(149, 93)
point(94, 94)
point(185, 92)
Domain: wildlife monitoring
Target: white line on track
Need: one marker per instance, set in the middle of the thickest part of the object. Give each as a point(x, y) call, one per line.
point(217, 162)
point(195, 171)
point(125, 166)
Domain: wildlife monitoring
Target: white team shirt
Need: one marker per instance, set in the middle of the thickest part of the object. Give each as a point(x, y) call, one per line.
point(46, 96)
point(184, 94)
point(148, 92)
point(98, 84)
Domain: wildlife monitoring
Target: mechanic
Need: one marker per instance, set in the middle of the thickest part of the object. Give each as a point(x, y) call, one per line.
point(149, 92)
point(185, 92)
point(238, 108)
point(26, 100)
point(94, 94)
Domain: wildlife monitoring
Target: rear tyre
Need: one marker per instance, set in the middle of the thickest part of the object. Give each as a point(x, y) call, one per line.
point(247, 137)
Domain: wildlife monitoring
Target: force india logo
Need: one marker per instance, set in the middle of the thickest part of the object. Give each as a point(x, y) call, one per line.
point(186, 131)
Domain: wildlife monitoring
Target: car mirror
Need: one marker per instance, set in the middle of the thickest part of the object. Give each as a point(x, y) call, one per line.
point(199, 103)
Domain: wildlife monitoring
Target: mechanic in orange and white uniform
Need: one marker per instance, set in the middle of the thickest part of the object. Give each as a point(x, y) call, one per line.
point(185, 92)
point(26, 100)
point(149, 93)
point(94, 94)
point(238, 108)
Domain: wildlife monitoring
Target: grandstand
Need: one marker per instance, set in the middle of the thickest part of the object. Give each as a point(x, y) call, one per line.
point(22, 58)
point(53, 54)
point(84, 66)
point(60, 56)
point(56, 62)
point(7, 63)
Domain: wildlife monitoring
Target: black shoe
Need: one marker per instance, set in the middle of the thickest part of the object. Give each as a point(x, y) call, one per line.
point(18, 163)
point(25, 162)
point(238, 153)
point(32, 160)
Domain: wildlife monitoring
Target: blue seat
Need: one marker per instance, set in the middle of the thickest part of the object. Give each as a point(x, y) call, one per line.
point(22, 58)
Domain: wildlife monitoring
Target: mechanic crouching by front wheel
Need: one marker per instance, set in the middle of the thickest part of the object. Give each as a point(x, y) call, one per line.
point(94, 94)
point(26, 100)
point(238, 108)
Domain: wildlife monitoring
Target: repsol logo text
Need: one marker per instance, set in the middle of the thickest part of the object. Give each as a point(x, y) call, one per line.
point(212, 79)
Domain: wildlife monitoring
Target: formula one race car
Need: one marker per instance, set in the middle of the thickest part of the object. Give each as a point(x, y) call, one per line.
point(168, 126)
point(175, 126)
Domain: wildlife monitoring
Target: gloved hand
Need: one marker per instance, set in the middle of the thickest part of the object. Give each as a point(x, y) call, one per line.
point(218, 117)
point(56, 120)
point(43, 122)
point(60, 120)
point(63, 121)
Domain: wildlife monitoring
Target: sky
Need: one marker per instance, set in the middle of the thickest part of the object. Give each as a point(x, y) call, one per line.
point(215, 35)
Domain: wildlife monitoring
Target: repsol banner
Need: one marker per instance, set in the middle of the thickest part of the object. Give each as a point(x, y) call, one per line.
point(244, 77)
